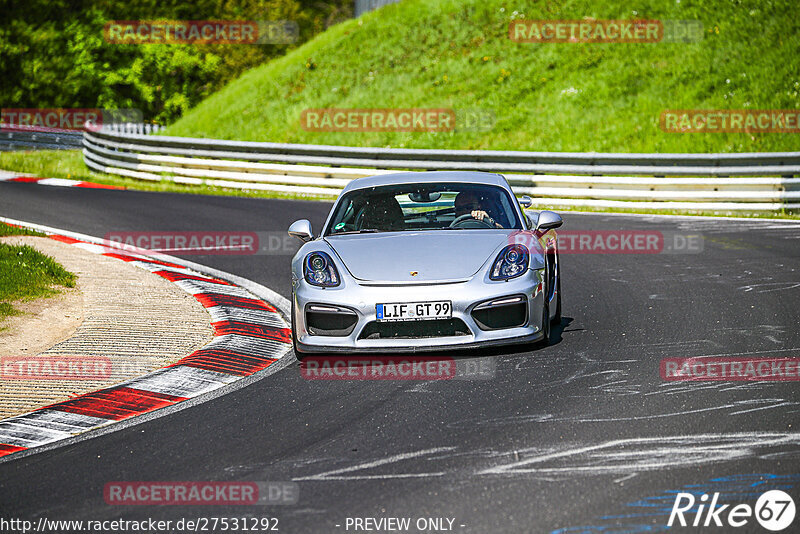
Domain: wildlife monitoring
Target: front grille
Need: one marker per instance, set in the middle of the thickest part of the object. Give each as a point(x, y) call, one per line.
point(415, 329)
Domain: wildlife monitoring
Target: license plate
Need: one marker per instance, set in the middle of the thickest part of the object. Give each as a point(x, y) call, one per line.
point(414, 311)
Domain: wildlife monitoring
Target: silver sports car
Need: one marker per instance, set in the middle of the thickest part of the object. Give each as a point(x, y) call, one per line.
point(423, 261)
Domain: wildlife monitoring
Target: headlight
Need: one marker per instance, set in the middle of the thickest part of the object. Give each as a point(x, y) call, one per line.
point(510, 263)
point(319, 270)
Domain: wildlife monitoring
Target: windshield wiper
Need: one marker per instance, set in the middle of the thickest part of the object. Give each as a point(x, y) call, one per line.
point(362, 231)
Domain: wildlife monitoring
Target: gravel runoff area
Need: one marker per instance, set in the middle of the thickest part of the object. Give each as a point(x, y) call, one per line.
point(119, 322)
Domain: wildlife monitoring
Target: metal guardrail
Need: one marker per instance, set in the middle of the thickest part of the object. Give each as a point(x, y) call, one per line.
point(785, 163)
point(131, 128)
point(27, 140)
point(744, 181)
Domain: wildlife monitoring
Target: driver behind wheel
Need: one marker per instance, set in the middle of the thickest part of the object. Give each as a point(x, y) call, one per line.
point(469, 203)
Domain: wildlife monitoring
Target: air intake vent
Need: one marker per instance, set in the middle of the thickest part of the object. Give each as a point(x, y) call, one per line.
point(505, 312)
point(415, 329)
point(326, 320)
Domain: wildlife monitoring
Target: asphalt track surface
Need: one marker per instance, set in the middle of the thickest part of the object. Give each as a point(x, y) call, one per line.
point(583, 433)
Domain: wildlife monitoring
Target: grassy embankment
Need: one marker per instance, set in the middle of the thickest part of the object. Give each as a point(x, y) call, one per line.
point(579, 97)
point(27, 274)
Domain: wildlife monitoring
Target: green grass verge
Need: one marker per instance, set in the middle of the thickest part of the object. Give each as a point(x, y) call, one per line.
point(47, 163)
point(27, 274)
point(7, 230)
point(547, 96)
point(69, 164)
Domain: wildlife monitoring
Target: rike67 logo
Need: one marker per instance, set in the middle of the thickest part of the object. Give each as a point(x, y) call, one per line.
point(774, 510)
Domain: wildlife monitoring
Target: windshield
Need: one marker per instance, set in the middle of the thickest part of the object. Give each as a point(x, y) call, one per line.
point(438, 206)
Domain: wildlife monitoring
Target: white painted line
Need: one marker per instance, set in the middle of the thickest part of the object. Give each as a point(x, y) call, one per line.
point(60, 182)
point(250, 346)
point(67, 421)
point(46, 426)
point(100, 249)
point(181, 381)
point(202, 249)
point(198, 286)
point(153, 267)
point(9, 175)
point(259, 317)
point(264, 293)
point(16, 432)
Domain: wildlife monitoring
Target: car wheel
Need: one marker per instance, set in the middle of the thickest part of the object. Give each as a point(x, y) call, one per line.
point(545, 319)
point(557, 317)
point(294, 335)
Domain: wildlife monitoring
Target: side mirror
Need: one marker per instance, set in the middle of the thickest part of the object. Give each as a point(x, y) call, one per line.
point(525, 201)
point(548, 221)
point(301, 230)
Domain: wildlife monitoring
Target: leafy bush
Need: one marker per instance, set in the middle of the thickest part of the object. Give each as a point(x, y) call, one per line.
point(54, 54)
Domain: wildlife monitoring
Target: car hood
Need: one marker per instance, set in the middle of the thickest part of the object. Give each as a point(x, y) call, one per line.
point(433, 255)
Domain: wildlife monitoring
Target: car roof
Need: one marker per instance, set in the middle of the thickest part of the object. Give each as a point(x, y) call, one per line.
point(471, 177)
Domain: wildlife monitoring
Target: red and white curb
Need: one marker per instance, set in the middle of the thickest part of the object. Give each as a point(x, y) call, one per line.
point(249, 335)
point(7, 176)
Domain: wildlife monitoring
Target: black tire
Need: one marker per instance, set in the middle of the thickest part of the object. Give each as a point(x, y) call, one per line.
point(294, 335)
point(545, 341)
point(557, 317)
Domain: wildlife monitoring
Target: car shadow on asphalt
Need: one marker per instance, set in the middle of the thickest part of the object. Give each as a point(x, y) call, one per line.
point(557, 329)
point(556, 337)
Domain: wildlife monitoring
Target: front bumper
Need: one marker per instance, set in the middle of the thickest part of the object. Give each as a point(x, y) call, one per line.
point(361, 299)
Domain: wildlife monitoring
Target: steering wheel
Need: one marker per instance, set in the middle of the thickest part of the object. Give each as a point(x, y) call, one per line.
point(468, 221)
